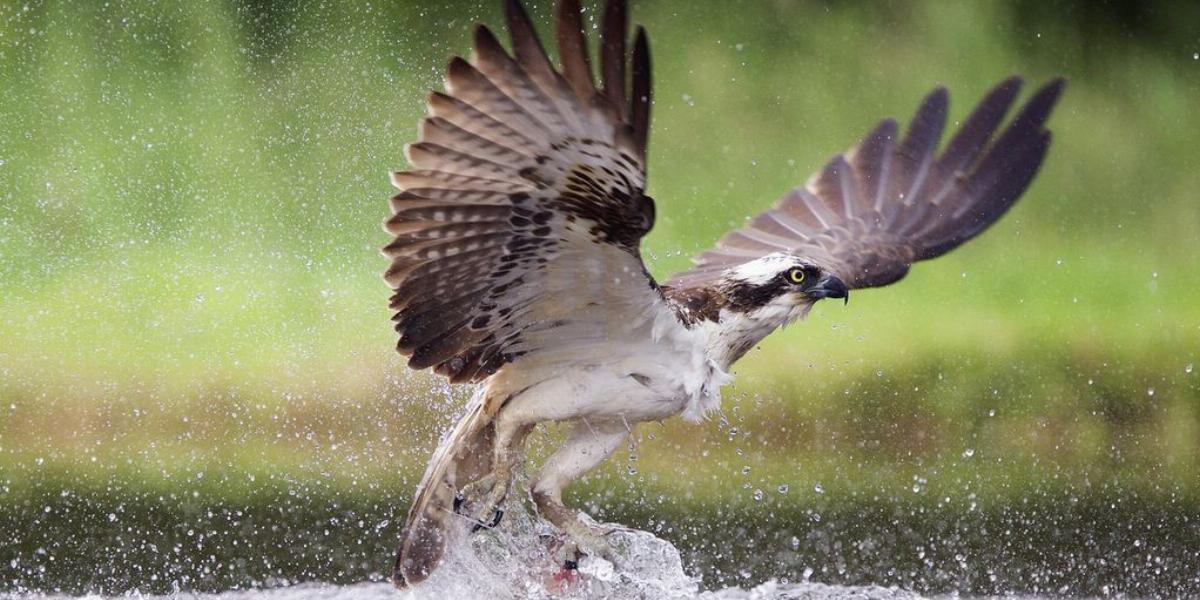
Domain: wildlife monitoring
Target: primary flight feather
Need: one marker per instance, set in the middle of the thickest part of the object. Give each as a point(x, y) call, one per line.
point(515, 261)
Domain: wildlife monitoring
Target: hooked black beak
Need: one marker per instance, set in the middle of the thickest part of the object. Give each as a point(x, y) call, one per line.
point(830, 287)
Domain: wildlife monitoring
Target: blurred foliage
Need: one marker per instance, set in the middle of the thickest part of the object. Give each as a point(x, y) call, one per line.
point(190, 196)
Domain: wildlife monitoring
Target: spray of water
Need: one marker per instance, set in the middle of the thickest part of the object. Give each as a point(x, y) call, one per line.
point(520, 558)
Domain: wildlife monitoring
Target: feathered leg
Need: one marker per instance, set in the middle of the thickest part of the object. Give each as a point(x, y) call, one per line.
point(588, 444)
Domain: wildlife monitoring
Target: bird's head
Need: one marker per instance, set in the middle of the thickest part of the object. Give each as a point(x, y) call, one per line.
point(759, 296)
point(781, 281)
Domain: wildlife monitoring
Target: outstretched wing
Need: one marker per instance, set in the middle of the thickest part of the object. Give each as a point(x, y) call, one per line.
point(525, 208)
point(885, 204)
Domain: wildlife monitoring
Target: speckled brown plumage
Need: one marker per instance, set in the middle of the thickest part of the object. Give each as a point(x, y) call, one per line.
point(509, 161)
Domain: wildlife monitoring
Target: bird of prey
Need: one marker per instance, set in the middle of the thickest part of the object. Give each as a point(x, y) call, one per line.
point(515, 260)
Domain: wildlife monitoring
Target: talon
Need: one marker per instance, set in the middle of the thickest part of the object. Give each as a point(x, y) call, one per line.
point(481, 499)
point(497, 514)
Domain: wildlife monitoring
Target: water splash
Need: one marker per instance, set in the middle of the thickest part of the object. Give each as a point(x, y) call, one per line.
point(522, 558)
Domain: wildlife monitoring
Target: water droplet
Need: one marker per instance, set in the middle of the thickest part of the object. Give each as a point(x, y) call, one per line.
point(746, 470)
point(992, 413)
point(631, 470)
point(758, 495)
point(783, 488)
point(1188, 369)
point(968, 453)
point(1196, 56)
point(1150, 392)
point(818, 489)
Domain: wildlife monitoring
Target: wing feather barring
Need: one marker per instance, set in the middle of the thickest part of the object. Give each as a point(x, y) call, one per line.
point(515, 258)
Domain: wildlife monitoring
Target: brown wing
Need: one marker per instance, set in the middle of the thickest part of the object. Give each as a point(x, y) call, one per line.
point(521, 172)
point(883, 205)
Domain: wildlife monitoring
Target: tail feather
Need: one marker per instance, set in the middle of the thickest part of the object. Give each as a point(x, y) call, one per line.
point(464, 456)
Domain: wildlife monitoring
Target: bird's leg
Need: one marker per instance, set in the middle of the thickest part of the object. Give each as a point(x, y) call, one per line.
point(588, 444)
point(490, 490)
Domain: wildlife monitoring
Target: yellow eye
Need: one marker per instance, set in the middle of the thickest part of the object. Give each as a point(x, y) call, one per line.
point(796, 275)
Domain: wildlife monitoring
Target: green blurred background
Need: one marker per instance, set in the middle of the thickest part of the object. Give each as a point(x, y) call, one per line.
point(193, 315)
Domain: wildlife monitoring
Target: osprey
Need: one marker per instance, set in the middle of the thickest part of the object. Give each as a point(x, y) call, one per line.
point(515, 260)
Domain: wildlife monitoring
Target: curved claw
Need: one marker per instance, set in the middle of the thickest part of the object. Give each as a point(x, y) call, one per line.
point(497, 514)
point(481, 500)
